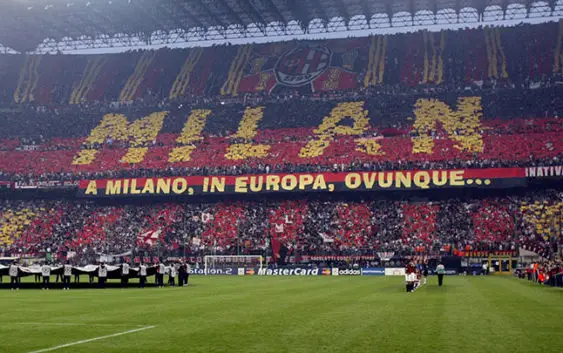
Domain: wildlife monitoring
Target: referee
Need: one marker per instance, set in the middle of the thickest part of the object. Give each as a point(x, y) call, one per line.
point(441, 271)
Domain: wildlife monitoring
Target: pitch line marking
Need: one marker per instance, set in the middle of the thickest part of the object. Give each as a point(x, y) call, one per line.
point(93, 339)
point(71, 324)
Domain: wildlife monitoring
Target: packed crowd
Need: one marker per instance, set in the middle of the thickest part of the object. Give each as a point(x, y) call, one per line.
point(434, 100)
point(513, 128)
point(466, 99)
point(84, 230)
point(549, 273)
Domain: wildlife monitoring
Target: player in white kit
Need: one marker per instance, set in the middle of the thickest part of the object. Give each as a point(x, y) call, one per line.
point(67, 272)
point(46, 273)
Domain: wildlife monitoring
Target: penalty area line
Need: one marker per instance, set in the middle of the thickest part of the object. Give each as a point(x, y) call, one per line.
point(92, 339)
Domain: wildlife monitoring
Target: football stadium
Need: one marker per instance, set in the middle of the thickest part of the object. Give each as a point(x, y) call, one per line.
point(281, 176)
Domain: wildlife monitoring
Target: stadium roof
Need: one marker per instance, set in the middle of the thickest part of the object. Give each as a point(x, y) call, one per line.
point(27, 23)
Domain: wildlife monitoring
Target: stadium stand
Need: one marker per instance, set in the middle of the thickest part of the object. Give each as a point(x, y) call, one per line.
point(476, 98)
point(304, 227)
point(400, 86)
point(281, 175)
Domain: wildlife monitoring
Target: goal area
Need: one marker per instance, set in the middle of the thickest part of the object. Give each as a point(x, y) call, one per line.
point(219, 262)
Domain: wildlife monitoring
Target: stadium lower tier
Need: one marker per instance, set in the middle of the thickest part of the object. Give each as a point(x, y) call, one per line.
point(315, 227)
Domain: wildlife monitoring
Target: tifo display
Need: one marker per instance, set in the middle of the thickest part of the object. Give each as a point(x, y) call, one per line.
point(443, 136)
point(397, 192)
point(453, 100)
point(302, 153)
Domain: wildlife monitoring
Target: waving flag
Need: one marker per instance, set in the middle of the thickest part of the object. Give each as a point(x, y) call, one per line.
point(150, 237)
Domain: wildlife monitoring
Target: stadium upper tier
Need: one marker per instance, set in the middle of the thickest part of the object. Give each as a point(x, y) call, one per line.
point(523, 55)
point(484, 97)
point(303, 227)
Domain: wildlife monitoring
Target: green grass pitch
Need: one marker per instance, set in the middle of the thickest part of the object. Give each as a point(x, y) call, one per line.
point(283, 314)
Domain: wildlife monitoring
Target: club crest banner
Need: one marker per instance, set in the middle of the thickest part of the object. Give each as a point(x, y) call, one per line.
point(314, 66)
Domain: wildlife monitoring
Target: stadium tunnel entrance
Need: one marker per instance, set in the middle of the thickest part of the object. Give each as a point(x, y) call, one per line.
point(501, 264)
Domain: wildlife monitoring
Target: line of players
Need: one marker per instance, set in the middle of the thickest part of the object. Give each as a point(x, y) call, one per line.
point(174, 270)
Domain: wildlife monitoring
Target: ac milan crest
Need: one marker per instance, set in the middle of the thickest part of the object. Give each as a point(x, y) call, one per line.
point(302, 65)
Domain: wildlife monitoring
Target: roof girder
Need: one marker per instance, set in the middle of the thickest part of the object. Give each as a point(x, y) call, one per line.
point(217, 20)
point(296, 8)
point(366, 11)
point(253, 13)
point(276, 11)
point(236, 18)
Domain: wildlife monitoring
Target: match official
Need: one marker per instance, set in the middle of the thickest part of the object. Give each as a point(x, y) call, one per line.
point(13, 272)
point(46, 273)
point(67, 272)
point(441, 271)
